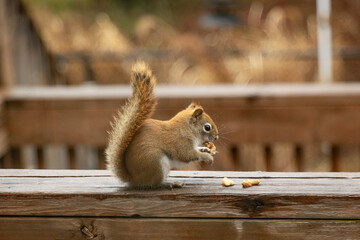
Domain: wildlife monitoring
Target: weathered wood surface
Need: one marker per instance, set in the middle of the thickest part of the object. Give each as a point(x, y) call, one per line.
point(186, 174)
point(299, 113)
point(96, 193)
point(84, 204)
point(38, 228)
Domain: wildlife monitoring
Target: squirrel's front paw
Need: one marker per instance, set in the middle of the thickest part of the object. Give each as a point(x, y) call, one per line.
point(204, 149)
point(208, 159)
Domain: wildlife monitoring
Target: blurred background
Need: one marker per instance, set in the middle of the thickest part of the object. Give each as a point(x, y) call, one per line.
point(194, 42)
point(242, 43)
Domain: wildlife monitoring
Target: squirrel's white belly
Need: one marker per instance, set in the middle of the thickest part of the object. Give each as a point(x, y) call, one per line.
point(177, 164)
point(167, 164)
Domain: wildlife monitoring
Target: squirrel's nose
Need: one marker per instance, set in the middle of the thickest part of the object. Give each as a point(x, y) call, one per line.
point(216, 137)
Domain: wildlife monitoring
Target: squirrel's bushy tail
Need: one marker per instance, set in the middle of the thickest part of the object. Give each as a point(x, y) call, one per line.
point(137, 109)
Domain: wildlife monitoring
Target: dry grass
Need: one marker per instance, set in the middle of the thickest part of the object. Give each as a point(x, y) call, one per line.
point(201, 57)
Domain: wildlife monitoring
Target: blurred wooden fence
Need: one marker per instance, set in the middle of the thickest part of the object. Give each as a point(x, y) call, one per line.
point(24, 58)
point(271, 127)
point(76, 68)
point(26, 61)
point(300, 127)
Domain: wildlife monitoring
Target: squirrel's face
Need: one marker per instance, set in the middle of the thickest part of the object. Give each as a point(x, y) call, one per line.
point(202, 124)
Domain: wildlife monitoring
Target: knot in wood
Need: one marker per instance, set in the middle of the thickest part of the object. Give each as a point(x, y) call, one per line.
point(253, 206)
point(87, 232)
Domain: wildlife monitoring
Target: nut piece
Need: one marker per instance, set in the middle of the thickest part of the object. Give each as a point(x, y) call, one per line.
point(248, 182)
point(227, 182)
point(255, 182)
point(211, 146)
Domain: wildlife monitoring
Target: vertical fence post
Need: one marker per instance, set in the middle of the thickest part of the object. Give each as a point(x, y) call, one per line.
point(7, 28)
point(299, 157)
point(335, 158)
point(268, 154)
point(323, 9)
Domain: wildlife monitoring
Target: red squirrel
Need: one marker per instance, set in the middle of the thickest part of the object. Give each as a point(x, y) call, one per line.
point(141, 151)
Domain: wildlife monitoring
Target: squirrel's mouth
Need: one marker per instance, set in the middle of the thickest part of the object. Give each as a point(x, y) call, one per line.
point(212, 138)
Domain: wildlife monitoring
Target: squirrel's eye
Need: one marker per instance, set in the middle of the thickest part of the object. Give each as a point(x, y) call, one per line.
point(207, 127)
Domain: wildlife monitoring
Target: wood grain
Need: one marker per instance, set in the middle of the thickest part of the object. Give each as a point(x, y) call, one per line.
point(84, 204)
point(255, 114)
point(182, 174)
point(252, 117)
point(19, 228)
point(79, 193)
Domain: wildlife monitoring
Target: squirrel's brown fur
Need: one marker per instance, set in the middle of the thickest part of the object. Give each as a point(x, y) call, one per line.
point(137, 109)
point(142, 150)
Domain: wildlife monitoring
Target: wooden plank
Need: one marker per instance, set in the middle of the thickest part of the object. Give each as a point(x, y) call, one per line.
point(86, 157)
point(226, 162)
point(74, 185)
point(260, 174)
point(299, 157)
point(29, 157)
point(183, 174)
point(350, 158)
point(256, 114)
point(40, 157)
point(335, 159)
point(284, 159)
point(15, 158)
point(268, 156)
point(332, 197)
point(252, 157)
point(257, 92)
point(7, 161)
point(119, 228)
point(72, 158)
point(316, 157)
point(54, 157)
point(101, 157)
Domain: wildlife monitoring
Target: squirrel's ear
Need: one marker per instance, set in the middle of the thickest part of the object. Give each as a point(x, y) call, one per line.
point(197, 112)
point(192, 105)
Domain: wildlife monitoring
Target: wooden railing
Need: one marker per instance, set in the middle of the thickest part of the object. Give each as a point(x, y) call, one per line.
point(297, 127)
point(92, 204)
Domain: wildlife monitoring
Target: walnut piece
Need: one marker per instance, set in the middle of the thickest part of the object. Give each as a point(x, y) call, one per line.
point(227, 182)
point(211, 146)
point(250, 182)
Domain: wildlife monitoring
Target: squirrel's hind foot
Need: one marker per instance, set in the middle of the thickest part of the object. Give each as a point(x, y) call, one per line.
point(171, 186)
point(166, 185)
point(177, 184)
